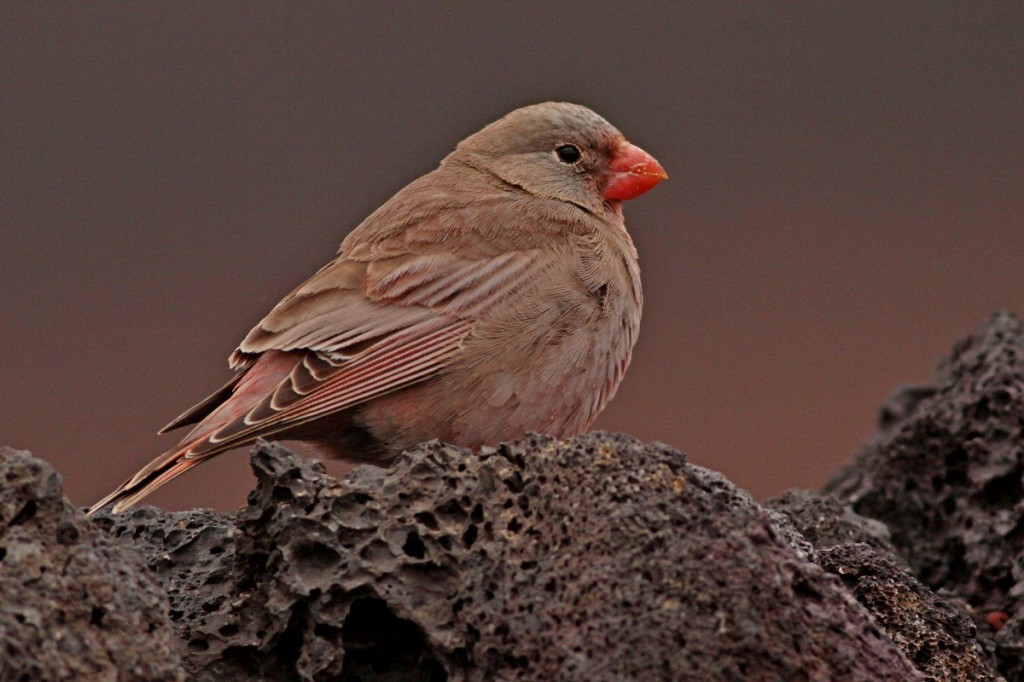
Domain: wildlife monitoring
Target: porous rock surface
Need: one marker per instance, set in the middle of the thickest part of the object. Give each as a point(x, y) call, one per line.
point(597, 558)
point(822, 521)
point(946, 475)
point(934, 633)
point(74, 605)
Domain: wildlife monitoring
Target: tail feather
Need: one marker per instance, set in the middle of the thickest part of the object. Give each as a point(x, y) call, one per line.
point(158, 472)
point(230, 403)
point(282, 392)
point(197, 413)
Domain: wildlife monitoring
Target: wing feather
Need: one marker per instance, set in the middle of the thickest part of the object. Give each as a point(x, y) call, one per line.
point(401, 360)
point(393, 309)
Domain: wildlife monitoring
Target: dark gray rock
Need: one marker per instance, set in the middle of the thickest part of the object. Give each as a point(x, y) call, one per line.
point(946, 475)
point(74, 605)
point(201, 540)
point(934, 631)
point(822, 521)
point(597, 558)
point(936, 635)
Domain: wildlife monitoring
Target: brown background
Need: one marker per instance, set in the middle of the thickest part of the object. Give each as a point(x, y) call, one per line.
point(845, 201)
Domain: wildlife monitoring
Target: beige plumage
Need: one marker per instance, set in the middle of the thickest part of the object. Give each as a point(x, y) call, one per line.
point(496, 295)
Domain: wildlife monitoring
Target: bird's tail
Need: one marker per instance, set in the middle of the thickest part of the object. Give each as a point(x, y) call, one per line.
point(221, 424)
point(164, 468)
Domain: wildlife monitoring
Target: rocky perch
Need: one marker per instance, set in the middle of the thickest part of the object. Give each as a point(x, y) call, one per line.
point(595, 558)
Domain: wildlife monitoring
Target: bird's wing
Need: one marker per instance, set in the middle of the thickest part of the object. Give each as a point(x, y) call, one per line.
point(367, 328)
point(376, 319)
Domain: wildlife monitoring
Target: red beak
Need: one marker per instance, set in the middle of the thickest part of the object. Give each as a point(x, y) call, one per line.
point(633, 172)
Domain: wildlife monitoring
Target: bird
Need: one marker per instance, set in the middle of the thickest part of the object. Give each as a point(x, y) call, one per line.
point(497, 295)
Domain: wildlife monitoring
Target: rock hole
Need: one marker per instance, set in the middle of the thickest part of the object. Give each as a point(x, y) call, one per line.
point(956, 563)
point(1005, 490)
point(356, 499)
point(327, 632)
point(428, 520)
point(67, 533)
point(517, 662)
point(379, 645)
point(515, 483)
point(25, 514)
point(198, 645)
point(469, 537)
point(1017, 532)
point(414, 546)
point(956, 467)
point(315, 556)
point(803, 588)
point(981, 410)
point(96, 615)
point(289, 644)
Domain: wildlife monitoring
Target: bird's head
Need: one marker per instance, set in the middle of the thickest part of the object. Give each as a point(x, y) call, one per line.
point(562, 151)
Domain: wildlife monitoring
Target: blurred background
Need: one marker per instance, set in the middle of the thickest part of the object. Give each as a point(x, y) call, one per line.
point(846, 201)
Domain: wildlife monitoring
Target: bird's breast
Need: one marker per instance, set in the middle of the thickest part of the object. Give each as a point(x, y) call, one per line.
point(551, 359)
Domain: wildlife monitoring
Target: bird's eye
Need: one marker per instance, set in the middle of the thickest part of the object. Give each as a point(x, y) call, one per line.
point(568, 153)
